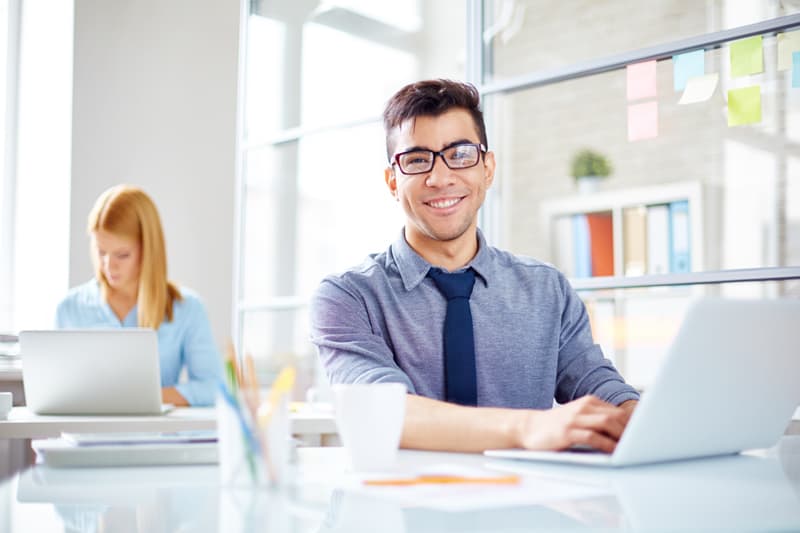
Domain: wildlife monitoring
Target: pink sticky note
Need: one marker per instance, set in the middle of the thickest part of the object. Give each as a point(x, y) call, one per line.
point(642, 121)
point(641, 80)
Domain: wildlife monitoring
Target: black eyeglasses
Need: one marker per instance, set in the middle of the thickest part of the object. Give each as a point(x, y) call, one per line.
point(456, 157)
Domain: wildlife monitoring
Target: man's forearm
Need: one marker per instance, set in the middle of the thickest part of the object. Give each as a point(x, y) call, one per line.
point(435, 425)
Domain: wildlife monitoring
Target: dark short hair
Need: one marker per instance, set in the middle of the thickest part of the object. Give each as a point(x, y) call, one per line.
point(432, 98)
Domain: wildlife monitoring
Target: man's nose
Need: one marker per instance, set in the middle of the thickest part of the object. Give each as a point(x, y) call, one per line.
point(440, 174)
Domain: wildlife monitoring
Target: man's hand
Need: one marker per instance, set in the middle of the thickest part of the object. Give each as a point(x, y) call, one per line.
point(436, 425)
point(586, 421)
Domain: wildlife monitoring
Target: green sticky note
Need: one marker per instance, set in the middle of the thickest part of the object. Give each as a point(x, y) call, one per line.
point(747, 57)
point(744, 106)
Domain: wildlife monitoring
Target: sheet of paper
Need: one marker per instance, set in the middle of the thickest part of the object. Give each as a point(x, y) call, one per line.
point(699, 89)
point(687, 66)
point(744, 106)
point(642, 121)
point(641, 79)
point(747, 56)
point(532, 490)
point(788, 43)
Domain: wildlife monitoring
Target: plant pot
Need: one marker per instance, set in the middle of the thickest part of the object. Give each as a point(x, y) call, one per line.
point(588, 184)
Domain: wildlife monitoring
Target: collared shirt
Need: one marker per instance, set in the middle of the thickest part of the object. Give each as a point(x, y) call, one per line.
point(383, 321)
point(186, 341)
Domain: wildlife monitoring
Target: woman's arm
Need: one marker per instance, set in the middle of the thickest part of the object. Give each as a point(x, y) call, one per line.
point(200, 356)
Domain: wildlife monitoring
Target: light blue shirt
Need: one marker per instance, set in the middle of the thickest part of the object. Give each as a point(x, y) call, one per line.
point(382, 321)
point(186, 341)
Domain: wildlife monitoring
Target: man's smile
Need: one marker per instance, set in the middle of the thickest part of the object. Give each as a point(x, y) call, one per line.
point(444, 203)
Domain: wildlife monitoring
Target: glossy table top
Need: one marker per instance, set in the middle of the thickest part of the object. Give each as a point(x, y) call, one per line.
point(22, 424)
point(755, 491)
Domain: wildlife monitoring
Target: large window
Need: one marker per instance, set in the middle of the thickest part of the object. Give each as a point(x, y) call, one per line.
point(703, 198)
point(36, 110)
point(9, 28)
point(312, 194)
point(692, 206)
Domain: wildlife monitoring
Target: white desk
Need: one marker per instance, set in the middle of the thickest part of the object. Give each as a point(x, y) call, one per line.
point(312, 427)
point(11, 379)
point(742, 493)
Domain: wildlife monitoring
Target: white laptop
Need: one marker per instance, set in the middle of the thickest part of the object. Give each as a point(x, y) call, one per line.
point(91, 371)
point(730, 382)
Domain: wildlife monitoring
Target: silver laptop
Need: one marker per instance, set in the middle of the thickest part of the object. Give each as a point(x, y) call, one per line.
point(730, 382)
point(91, 371)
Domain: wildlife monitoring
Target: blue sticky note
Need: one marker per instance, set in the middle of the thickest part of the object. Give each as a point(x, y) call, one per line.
point(687, 66)
point(795, 69)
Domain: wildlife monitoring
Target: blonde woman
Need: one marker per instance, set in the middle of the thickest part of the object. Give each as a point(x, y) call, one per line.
point(130, 289)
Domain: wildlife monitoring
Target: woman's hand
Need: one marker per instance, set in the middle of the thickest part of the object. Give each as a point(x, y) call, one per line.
point(172, 396)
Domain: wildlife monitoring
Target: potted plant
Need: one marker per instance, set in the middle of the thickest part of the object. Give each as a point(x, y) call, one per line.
point(588, 168)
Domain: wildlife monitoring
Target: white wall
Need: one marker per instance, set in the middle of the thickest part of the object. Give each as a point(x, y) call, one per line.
point(154, 105)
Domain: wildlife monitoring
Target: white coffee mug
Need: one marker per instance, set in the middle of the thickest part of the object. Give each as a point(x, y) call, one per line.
point(369, 418)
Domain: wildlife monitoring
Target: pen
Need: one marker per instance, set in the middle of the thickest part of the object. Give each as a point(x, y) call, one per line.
point(443, 480)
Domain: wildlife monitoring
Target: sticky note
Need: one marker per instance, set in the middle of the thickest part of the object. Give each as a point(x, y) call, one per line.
point(747, 57)
point(744, 106)
point(688, 65)
point(642, 121)
point(788, 43)
point(641, 80)
point(795, 69)
point(699, 89)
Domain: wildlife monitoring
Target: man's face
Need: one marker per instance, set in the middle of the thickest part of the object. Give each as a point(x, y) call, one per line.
point(440, 205)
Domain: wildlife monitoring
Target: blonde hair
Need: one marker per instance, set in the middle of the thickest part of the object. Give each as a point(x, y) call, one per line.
point(128, 212)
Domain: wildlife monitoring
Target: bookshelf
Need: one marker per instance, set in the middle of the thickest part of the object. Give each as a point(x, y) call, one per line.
point(626, 212)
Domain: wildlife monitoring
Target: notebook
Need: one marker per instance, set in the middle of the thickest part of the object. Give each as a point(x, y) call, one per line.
point(91, 371)
point(730, 382)
point(63, 453)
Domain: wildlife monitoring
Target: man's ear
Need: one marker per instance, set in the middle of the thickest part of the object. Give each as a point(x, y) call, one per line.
point(391, 181)
point(489, 164)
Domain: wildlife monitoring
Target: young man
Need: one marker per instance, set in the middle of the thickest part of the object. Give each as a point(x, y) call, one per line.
point(460, 322)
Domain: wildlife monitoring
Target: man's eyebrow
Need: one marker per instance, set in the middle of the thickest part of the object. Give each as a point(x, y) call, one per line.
point(456, 143)
point(445, 147)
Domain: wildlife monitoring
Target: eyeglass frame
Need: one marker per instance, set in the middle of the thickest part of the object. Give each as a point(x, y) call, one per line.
point(481, 154)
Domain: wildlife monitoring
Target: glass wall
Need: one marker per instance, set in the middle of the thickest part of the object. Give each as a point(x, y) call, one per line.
point(693, 199)
point(699, 198)
point(524, 36)
point(312, 195)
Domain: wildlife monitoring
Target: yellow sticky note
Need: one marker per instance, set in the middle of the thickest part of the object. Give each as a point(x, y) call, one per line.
point(744, 106)
point(699, 89)
point(747, 57)
point(787, 43)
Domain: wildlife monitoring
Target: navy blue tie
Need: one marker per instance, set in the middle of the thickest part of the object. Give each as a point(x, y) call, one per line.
point(460, 382)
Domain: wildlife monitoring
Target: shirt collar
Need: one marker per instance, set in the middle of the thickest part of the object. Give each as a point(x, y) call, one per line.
point(131, 320)
point(413, 268)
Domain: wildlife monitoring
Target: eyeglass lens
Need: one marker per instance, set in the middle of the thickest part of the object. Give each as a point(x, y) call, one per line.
point(455, 157)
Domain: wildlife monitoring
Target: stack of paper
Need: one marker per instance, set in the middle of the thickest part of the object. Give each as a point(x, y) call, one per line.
point(128, 449)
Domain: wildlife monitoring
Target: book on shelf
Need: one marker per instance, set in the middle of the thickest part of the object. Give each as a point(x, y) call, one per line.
point(564, 250)
point(601, 241)
point(658, 239)
point(634, 238)
point(679, 240)
point(582, 246)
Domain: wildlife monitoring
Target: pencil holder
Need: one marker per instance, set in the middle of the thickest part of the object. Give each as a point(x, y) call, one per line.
point(253, 450)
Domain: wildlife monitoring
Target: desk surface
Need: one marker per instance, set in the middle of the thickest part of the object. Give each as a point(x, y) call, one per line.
point(757, 491)
point(22, 424)
point(10, 369)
